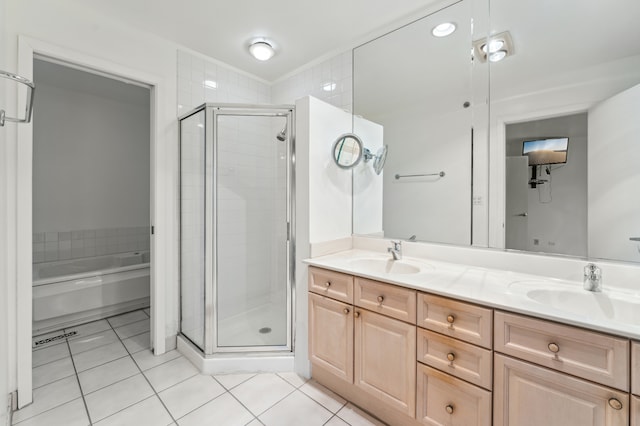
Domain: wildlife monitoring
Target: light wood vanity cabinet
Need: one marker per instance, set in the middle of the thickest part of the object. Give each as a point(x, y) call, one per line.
point(414, 358)
point(529, 395)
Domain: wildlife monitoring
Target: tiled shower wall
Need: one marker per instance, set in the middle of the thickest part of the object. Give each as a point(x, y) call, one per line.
point(67, 245)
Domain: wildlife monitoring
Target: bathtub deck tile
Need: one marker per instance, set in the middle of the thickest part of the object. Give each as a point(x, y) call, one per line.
point(133, 329)
point(128, 318)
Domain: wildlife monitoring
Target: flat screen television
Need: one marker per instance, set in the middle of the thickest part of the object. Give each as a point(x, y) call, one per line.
point(546, 151)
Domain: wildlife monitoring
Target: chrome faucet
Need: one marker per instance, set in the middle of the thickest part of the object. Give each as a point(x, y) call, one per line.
point(592, 278)
point(395, 250)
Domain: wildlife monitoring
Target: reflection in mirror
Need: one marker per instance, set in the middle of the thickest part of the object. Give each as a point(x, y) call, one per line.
point(347, 150)
point(416, 85)
point(575, 74)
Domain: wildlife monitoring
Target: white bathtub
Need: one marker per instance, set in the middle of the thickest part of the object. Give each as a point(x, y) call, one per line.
point(70, 292)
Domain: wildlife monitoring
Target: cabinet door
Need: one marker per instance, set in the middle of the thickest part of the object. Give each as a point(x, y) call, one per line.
point(385, 360)
point(528, 395)
point(635, 411)
point(331, 336)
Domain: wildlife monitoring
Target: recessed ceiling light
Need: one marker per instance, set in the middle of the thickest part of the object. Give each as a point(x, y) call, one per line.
point(493, 46)
point(329, 86)
point(262, 50)
point(497, 56)
point(444, 29)
point(210, 84)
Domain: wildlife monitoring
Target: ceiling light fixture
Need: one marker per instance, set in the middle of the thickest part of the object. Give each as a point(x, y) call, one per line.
point(494, 49)
point(444, 29)
point(262, 50)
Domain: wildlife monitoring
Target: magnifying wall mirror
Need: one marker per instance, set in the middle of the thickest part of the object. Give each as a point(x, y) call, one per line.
point(347, 151)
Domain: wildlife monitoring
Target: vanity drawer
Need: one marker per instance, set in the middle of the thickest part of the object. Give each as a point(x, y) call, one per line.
point(445, 400)
point(456, 319)
point(331, 284)
point(635, 368)
point(591, 355)
point(393, 301)
point(463, 360)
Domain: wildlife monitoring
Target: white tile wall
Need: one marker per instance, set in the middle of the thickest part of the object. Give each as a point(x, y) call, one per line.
point(67, 245)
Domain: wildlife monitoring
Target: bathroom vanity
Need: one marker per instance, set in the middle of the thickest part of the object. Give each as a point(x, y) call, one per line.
point(438, 347)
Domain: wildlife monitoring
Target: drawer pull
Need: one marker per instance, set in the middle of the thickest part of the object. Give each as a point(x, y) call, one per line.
point(346, 311)
point(380, 299)
point(553, 347)
point(450, 319)
point(356, 314)
point(449, 408)
point(615, 404)
point(451, 356)
point(327, 284)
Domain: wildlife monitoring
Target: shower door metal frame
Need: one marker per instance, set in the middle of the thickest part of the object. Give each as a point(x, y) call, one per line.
point(212, 112)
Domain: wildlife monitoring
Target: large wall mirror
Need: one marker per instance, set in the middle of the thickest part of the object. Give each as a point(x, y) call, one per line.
point(545, 161)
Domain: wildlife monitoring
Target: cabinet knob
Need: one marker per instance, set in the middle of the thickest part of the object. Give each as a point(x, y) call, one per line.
point(553, 347)
point(356, 314)
point(451, 319)
point(327, 284)
point(449, 408)
point(346, 310)
point(615, 404)
point(380, 299)
point(451, 356)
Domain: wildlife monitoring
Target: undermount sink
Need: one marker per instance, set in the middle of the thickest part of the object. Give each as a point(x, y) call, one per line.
point(594, 305)
point(386, 266)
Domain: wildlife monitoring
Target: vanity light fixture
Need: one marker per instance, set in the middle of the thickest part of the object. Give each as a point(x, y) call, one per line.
point(495, 49)
point(444, 29)
point(262, 50)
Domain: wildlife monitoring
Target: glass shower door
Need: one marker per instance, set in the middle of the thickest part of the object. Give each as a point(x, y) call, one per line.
point(252, 210)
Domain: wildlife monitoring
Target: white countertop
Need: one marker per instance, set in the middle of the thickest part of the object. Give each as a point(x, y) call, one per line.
point(612, 311)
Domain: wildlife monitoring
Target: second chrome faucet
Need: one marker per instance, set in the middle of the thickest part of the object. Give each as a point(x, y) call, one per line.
point(395, 250)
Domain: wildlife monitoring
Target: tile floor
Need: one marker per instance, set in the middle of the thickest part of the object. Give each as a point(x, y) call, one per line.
point(106, 375)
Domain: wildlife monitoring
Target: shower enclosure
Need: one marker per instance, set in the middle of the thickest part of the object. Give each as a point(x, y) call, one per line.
point(236, 242)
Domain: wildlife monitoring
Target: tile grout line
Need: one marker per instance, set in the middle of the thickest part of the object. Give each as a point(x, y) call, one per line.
point(142, 373)
point(86, 408)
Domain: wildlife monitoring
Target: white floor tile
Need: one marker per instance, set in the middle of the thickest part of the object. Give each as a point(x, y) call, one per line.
point(137, 343)
point(170, 373)
point(49, 354)
point(48, 397)
point(86, 343)
point(98, 377)
point(222, 411)
point(336, 421)
point(293, 378)
point(262, 391)
point(356, 417)
point(192, 393)
point(98, 356)
point(110, 400)
point(53, 371)
point(128, 318)
point(70, 414)
point(230, 381)
point(89, 328)
point(296, 409)
point(133, 329)
point(149, 412)
point(324, 396)
point(146, 359)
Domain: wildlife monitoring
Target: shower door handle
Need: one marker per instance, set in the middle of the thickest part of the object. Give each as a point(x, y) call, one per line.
point(525, 214)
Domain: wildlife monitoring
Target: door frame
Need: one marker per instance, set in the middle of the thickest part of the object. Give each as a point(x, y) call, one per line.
point(28, 48)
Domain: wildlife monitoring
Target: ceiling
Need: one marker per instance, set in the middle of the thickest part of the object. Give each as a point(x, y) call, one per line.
point(302, 30)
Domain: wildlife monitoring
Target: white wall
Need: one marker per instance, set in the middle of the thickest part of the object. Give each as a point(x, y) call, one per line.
point(368, 187)
point(557, 209)
point(94, 173)
point(614, 180)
